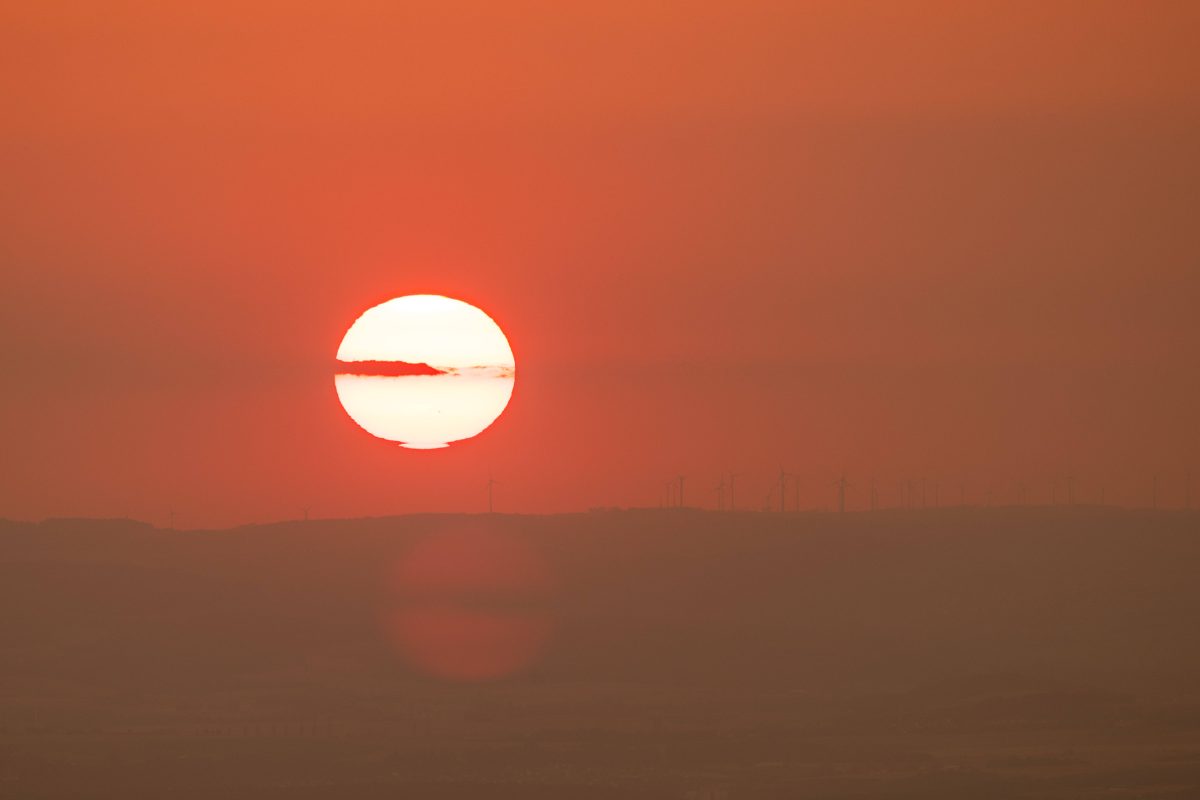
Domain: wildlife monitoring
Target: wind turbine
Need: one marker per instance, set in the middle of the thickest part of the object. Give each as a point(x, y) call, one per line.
point(842, 485)
point(733, 476)
point(720, 490)
point(490, 483)
point(783, 476)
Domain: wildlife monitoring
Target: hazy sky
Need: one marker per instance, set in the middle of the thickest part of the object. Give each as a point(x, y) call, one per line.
point(903, 239)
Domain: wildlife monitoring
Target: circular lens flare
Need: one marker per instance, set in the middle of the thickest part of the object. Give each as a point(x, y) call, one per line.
point(473, 604)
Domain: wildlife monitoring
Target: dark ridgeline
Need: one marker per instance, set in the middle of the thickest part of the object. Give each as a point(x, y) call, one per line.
point(948, 653)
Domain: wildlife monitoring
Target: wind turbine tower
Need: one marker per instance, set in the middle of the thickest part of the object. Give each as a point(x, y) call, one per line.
point(491, 482)
point(681, 491)
point(783, 476)
point(842, 485)
point(733, 476)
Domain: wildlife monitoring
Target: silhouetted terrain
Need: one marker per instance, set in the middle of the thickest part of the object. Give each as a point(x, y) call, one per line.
point(953, 653)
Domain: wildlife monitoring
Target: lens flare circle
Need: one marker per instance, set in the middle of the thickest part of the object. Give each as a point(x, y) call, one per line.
point(472, 604)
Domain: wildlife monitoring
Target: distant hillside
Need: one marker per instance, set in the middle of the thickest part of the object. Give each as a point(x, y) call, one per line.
point(999, 653)
point(807, 600)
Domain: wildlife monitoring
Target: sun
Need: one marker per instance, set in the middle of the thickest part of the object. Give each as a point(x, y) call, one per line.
point(424, 371)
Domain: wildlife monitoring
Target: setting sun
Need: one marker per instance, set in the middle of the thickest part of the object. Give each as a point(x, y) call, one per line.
point(424, 371)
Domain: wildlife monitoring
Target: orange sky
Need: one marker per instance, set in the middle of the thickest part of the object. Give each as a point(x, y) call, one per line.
point(953, 240)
